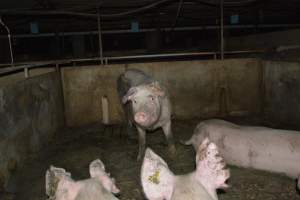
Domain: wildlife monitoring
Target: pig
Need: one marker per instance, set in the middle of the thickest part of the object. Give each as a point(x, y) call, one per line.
point(159, 183)
point(255, 147)
point(100, 186)
point(146, 105)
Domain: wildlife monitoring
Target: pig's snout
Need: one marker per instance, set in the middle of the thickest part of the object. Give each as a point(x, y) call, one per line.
point(140, 117)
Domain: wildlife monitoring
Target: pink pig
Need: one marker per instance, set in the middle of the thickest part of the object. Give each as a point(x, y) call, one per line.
point(100, 186)
point(159, 183)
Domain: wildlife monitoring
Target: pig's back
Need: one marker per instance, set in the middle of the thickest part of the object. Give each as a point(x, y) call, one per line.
point(136, 77)
point(187, 188)
point(257, 147)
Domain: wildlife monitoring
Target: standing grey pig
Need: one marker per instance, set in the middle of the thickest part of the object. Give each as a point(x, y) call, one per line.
point(160, 183)
point(60, 185)
point(147, 105)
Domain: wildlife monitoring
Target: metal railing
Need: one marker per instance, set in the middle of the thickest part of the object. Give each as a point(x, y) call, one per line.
point(7, 69)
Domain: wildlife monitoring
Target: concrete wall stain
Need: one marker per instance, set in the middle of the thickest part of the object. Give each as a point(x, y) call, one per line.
point(194, 87)
point(30, 113)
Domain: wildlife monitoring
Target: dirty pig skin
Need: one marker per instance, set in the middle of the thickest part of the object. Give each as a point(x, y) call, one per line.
point(255, 147)
point(100, 186)
point(159, 182)
point(146, 105)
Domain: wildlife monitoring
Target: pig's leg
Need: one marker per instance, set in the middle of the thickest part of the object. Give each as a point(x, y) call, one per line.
point(169, 136)
point(130, 128)
point(142, 143)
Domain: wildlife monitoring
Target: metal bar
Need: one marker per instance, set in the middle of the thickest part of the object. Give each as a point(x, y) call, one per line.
point(107, 59)
point(9, 41)
point(222, 29)
point(152, 29)
point(100, 38)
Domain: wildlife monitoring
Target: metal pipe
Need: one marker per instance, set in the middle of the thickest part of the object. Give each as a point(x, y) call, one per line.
point(100, 39)
point(112, 58)
point(6, 70)
point(180, 3)
point(84, 15)
point(222, 29)
point(152, 29)
point(9, 41)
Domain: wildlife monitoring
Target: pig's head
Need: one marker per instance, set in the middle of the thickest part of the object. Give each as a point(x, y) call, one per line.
point(60, 185)
point(97, 170)
point(53, 177)
point(146, 103)
point(210, 170)
point(156, 177)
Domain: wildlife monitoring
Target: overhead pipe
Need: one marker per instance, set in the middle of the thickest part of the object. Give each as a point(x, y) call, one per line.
point(116, 15)
point(84, 15)
point(192, 28)
point(9, 41)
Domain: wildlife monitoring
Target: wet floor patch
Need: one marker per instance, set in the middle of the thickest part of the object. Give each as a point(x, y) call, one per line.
point(74, 149)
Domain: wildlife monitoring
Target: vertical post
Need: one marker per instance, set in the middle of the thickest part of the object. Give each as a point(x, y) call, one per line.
point(63, 44)
point(57, 67)
point(222, 28)
point(9, 41)
point(26, 72)
point(100, 38)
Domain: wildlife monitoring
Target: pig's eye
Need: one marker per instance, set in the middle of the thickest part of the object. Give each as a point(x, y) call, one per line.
point(151, 97)
point(134, 101)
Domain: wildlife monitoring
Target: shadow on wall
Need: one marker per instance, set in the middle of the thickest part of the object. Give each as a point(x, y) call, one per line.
point(282, 93)
point(31, 111)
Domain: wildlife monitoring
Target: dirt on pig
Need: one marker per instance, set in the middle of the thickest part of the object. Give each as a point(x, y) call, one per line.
point(74, 149)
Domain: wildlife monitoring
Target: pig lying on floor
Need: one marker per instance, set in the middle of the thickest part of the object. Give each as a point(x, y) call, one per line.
point(160, 183)
point(60, 185)
point(255, 147)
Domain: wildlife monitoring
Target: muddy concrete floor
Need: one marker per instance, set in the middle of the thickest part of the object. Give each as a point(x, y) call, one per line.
point(74, 148)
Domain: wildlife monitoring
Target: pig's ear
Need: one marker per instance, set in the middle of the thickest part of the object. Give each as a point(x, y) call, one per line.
point(114, 188)
point(96, 168)
point(109, 184)
point(129, 94)
point(53, 176)
point(157, 89)
point(156, 177)
point(210, 166)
